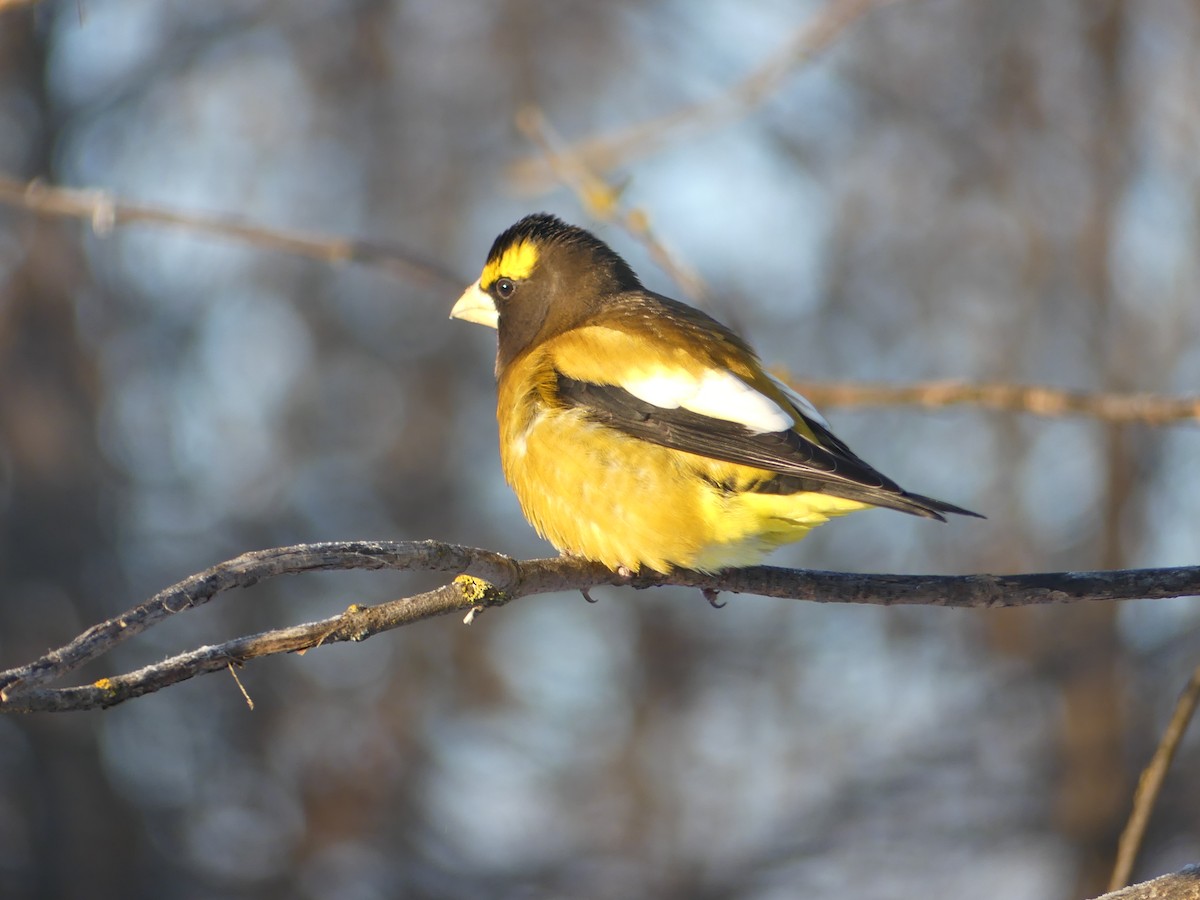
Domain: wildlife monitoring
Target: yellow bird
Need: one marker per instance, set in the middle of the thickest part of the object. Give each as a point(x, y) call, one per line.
point(638, 431)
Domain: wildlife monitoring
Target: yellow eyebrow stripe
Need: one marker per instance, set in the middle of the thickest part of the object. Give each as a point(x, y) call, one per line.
point(516, 262)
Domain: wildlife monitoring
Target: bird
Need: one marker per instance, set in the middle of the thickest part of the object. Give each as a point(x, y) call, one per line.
point(640, 432)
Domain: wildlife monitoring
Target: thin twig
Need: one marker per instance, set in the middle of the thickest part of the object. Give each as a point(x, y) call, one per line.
point(1151, 782)
point(241, 687)
point(244, 571)
point(492, 579)
point(105, 212)
point(603, 153)
point(603, 201)
point(1148, 409)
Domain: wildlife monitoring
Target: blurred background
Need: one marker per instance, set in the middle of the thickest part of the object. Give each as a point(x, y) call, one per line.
point(987, 191)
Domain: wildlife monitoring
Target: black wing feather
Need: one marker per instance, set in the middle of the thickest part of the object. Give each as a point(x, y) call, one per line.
point(800, 465)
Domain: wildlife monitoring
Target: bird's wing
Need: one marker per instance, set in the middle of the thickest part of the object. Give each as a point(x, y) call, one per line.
point(715, 401)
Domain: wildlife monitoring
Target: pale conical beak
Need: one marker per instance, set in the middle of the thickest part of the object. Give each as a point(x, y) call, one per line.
point(476, 306)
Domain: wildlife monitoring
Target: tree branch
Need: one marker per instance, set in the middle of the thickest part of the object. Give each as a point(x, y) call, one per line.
point(105, 212)
point(603, 201)
point(492, 579)
point(1148, 409)
point(1150, 784)
point(1181, 885)
point(604, 153)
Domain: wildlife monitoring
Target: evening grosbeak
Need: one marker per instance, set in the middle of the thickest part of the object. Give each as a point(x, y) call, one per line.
point(638, 431)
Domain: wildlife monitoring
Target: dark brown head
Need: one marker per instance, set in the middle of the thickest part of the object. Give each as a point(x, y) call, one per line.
point(542, 277)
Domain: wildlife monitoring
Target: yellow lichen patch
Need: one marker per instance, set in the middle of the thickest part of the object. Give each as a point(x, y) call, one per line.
point(106, 685)
point(354, 617)
point(476, 590)
point(516, 262)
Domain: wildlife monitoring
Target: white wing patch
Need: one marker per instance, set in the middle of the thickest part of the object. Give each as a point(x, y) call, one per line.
point(717, 394)
point(801, 403)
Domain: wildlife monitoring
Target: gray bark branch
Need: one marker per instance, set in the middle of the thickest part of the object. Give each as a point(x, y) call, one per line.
point(495, 579)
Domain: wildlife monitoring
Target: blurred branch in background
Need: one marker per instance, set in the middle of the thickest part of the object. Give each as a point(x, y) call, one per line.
point(491, 579)
point(604, 152)
point(1150, 784)
point(106, 212)
point(1148, 409)
point(603, 200)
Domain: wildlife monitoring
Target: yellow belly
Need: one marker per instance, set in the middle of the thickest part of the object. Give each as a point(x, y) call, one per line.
point(597, 493)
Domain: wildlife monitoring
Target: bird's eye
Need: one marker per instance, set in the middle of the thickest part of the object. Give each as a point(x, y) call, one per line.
point(505, 288)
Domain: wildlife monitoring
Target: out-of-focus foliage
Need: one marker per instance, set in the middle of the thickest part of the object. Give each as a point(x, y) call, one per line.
point(989, 190)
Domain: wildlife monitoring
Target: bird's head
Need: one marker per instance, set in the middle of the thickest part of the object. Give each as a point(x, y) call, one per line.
point(542, 277)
